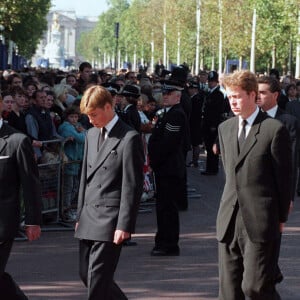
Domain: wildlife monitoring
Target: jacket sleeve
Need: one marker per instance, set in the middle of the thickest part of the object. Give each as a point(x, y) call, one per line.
point(132, 183)
point(29, 176)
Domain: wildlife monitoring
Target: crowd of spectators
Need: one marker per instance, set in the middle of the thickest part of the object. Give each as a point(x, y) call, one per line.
point(44, 104)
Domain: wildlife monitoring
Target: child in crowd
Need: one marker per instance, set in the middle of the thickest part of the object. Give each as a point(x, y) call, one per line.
point(73, 149)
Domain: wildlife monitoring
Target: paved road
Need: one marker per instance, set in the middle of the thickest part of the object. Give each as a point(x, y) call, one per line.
point(48, 268)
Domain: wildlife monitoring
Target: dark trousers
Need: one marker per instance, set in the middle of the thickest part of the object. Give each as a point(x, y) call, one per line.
point(168, 194)
point(212, 160)
point(8, 288)
point(97, 264)
point(247, 268)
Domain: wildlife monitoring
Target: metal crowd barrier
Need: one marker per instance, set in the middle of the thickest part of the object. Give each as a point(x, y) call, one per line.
point(50, 171)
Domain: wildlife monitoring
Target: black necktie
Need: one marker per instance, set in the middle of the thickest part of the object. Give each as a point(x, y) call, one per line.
point(242, 136)
point(101, 137)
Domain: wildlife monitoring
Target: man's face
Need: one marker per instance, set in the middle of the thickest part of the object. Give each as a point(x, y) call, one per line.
point(71, 80)
point(8, 102)
point(17, 82)
point(41, 99)
point(85, 74)
point(265, 98)
point(212, 84)
point(20, 100)
point(203, 78)
point(49, 101)
point(30, 90)
point(99, 117)
point(170, 98)
point(241, 103)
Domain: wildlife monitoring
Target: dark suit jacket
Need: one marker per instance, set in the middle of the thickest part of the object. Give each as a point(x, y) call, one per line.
point(132, 118)
point(111, 184)
point(292, 125)
point(258, 179)
point(17, 167)
point(213, 111)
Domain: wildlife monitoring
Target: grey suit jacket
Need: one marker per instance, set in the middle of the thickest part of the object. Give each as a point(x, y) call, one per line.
point(111, 183)
point(17, 168)
point(258, 179)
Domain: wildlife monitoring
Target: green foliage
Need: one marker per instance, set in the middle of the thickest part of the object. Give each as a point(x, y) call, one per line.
point(24, 22)
point(142, 21)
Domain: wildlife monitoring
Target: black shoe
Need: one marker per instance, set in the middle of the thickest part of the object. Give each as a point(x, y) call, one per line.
point(129, 243)
point(278, 278)
point(208, 173)
point(156, 251)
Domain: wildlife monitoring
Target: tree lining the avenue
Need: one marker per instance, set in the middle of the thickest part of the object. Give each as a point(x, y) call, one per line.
point(24, 22)
point(167, 31)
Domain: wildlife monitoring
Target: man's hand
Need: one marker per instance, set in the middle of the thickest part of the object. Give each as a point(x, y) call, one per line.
point(281, 227)
point(33, 232)
point(291, 206)
point(120, 236)
point(76, 226)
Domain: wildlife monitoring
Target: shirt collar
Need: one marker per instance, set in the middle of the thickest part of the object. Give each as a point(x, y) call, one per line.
point(1, 123)
point(251, 118)
point(272, 112)
point(111, 124)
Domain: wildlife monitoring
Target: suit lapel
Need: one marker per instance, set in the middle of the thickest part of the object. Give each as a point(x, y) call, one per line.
point(107, 147)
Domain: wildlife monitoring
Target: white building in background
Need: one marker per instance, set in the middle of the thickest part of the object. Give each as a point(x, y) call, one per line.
point(58, 45)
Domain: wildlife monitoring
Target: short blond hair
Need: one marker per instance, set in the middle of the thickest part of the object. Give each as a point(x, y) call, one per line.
point(95, 97)
point(244, 79)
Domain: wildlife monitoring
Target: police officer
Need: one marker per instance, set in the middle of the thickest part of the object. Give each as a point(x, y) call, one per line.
point(167, 147)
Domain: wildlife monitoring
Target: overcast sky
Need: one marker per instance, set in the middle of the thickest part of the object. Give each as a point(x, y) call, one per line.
point(91, 8)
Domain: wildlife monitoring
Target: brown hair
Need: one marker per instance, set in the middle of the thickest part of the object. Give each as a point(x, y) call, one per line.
point(272, 82)
point(95, 97)
point(244, 79)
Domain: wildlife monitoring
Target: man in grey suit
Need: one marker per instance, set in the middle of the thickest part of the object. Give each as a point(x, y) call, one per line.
point(109, 195)
point(17, 169)
point(257, 159)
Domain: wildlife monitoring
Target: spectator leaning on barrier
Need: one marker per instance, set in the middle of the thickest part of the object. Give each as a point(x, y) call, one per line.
point(73, 149)
point(39, 123)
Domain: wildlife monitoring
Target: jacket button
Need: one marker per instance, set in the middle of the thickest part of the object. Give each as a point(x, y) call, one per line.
point(90, 166)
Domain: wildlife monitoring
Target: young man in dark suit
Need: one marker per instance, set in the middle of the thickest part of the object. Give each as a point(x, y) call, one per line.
point(110, 190)
point(17, 169)
point(257, 159)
